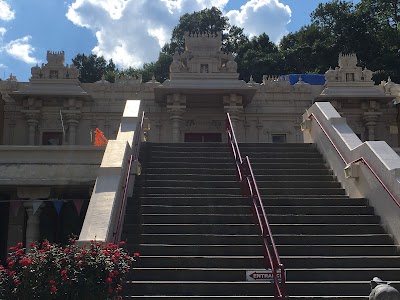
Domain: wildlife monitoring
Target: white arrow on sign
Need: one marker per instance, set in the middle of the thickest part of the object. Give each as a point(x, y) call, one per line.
point(261, 275)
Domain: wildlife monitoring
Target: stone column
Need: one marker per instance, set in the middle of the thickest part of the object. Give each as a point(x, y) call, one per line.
point(72, 121)
point(176, 105)
point(233, 105)
point(176, 117)
point(32, 119)
point(371, 119)
point(32, 223)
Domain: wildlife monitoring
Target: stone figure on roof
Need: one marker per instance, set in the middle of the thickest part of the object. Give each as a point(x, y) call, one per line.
point(35, 71)
point(176, 65)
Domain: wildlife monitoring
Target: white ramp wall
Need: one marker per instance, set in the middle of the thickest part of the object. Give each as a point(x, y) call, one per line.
point(105, 203)
point(340, 147)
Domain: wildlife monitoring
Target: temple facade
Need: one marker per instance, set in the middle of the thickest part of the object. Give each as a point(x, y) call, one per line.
point(47, 125)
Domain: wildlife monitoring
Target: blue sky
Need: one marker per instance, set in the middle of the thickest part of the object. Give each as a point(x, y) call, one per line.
point(128, 31)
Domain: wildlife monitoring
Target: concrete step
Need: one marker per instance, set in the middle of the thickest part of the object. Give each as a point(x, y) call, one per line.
point(281, 210)
point(232, 177)
point(191, 228)
point(204, 288)
point(243, 297)
point(204, 200)
point(229, 160)
point(230, 165)
point(176, 182)
point(225, 153)
point(232, 274)
point(229, 170)
point(218, 239)
point(256, 249)
point(179, 218)
point(254, 262)
point(190, 191)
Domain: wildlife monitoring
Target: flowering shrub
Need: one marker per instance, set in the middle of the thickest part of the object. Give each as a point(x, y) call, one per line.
point(49, 271)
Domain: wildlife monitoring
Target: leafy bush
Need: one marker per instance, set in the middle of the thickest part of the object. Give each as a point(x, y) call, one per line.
point(49, 271)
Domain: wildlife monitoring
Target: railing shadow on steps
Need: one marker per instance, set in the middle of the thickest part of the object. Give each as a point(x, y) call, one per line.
point(133, 159)
point(249, 188)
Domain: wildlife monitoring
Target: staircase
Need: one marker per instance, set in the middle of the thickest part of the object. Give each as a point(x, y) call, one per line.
point(197, 238)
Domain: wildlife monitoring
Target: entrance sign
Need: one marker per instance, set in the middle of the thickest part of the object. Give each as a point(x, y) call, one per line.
point(261, 275)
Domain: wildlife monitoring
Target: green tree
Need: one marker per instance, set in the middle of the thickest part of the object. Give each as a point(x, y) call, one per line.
point(233, 40)
point(93, 67)
point(207, 20)
point(258, 57)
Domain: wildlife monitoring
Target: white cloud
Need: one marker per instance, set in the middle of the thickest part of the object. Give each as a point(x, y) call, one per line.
point(258, 16)
point(6, 14)
point(132, 32)
point(20, 49)
point(2, 66)
point(2, 31)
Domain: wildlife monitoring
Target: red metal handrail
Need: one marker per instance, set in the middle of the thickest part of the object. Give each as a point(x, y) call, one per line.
point(134, 156)
point(250, 189)
point(361, 159)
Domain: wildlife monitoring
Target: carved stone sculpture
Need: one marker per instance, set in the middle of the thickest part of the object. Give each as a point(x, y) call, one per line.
point(382, 290)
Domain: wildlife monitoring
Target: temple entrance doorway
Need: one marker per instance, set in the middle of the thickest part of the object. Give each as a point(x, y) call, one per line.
point(203, 137)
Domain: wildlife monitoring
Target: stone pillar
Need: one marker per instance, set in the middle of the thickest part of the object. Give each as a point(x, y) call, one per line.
point(233, 105)
point(176, 105)
point(33, 222)
point(72, 121)
point(33, 209)
point(176, 117)
point(32, 119)
point(371, 119)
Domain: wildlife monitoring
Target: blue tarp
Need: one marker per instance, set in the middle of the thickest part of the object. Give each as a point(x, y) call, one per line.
point(313, 79)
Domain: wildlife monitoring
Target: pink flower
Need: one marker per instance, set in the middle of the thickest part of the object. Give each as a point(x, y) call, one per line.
point(122, 243)
point(53, 289)
point(66, 250)
point(16, 281)
point(80, 263)
point(25, 261)
point(20, 245)
point(109, 280)
point(51, 281)
point(64, 272)
point(136, 254)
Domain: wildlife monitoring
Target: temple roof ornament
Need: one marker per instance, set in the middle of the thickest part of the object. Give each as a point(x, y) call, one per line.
point(54, 69)
point(349, 81)
point(53, 78)
point(203, 69)
point(203, 58)
point(348, 72)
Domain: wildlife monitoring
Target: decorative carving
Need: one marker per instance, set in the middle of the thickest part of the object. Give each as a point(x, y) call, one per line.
point(348, 71)
point(203, 58)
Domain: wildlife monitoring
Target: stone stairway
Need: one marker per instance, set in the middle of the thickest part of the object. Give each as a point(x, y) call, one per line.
point(196, 234)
